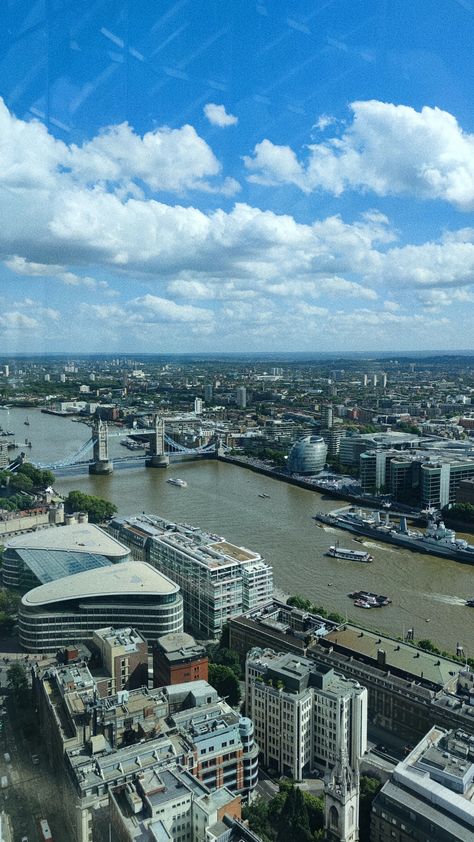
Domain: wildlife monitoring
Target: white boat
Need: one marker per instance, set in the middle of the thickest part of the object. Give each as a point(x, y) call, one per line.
point(350, 555)
point(176, 481)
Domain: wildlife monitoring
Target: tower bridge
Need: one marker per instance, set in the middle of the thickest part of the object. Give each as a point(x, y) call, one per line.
point(162, 449)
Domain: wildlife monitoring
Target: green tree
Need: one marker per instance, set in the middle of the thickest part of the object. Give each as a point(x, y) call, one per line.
point(428, 646)
point(299, 601)
point(21, 482)
point(294, 819)
point(40, 479)
point(99, 510)
point(18, 681)
point(226, 682)
point(369, 788)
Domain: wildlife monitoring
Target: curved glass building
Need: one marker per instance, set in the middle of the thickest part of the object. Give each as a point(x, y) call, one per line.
point(68, 610)
point(308, 456)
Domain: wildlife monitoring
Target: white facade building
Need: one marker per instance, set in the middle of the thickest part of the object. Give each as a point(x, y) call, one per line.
point(305, 715)
point(218, 580)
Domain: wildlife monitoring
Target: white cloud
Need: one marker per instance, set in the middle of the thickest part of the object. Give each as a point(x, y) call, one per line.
point(387, 149)
point(14, 320)
point(218, 116)
point(165, 159)
point(21, 266)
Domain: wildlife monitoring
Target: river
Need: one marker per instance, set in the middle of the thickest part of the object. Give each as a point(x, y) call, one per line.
point(427, 592)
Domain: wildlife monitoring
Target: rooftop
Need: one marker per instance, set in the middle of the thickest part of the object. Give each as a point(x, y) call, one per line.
point(131, 578)
point(48, 565)
point(77, 537)
point(396, 654)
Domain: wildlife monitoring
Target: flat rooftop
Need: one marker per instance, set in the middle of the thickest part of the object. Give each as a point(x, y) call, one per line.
point(78, 537)
point(398, 655)
point(238, 553)
point(131, 578)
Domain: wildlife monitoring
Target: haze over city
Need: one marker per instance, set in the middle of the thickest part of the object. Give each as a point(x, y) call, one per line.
point(270, 177)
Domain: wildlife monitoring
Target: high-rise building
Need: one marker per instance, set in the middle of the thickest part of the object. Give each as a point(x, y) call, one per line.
point(306, 716)
point(429, 795)
point(208, 392)
point(198, 406)
point(365, 380)
point(217, 579)
point(326, 417)
point(241, 397)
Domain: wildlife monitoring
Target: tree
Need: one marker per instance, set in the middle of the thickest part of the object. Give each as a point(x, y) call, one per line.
point(369, 788)
point(429, 646)
point(21, 482)
point(99, 510)
point(226, 682)
point(18, 680)
point(300, 602)
point(40, 479)
point(294, 819)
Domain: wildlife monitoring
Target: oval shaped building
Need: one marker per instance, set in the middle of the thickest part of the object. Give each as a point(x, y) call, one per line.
point(308, 456)
point(68, 610)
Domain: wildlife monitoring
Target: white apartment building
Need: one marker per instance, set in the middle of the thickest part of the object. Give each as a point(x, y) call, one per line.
point(217, 580)
point(305, 715)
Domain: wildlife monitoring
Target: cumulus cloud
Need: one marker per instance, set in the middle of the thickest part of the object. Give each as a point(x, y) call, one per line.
point(218, 116)
point(14, 320)
point(387, 149)
point(29, 268)
point(165, 159)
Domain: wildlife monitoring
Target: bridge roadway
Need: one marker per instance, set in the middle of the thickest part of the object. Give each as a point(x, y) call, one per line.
point(125, 462)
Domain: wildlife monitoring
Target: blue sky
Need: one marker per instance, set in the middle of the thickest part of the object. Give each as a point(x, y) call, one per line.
point(236, 176)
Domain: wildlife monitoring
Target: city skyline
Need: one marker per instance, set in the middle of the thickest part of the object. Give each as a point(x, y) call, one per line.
point(261, 178)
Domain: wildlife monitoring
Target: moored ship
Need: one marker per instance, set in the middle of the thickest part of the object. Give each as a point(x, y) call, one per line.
point(437, 539)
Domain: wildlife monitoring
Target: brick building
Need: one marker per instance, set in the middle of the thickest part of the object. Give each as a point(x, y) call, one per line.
point(178, 658)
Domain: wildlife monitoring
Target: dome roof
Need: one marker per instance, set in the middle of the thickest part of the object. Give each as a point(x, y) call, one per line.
point(308, 456)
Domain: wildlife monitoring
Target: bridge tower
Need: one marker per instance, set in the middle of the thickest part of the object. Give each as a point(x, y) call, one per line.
point(101, 463)
point(157, 457)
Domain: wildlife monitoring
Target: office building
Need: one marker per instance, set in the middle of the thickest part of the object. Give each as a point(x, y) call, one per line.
point(408, 688)
point(68, 610)
point(306, 716)
point(217, 579)
point(100, 744)
point(123, 655)
point(333, 439)
point(35, 558)
point(440, 479)
point(326, 417)
point(168, 804)
point(208, 393)
point(241, 397)
point(178, 658)
point(430, 794)
point(308, 456)
point(4, 459)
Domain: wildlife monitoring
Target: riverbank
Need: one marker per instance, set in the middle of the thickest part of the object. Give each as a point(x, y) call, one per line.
point(310, 485)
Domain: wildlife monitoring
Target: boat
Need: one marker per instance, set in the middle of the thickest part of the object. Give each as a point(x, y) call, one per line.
point(176, 481)
point(470, 603)
point(26, 422)
point(437, 539)
point(350, 555)
point(264, 496)
point(373, 600)
point(361, 603)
